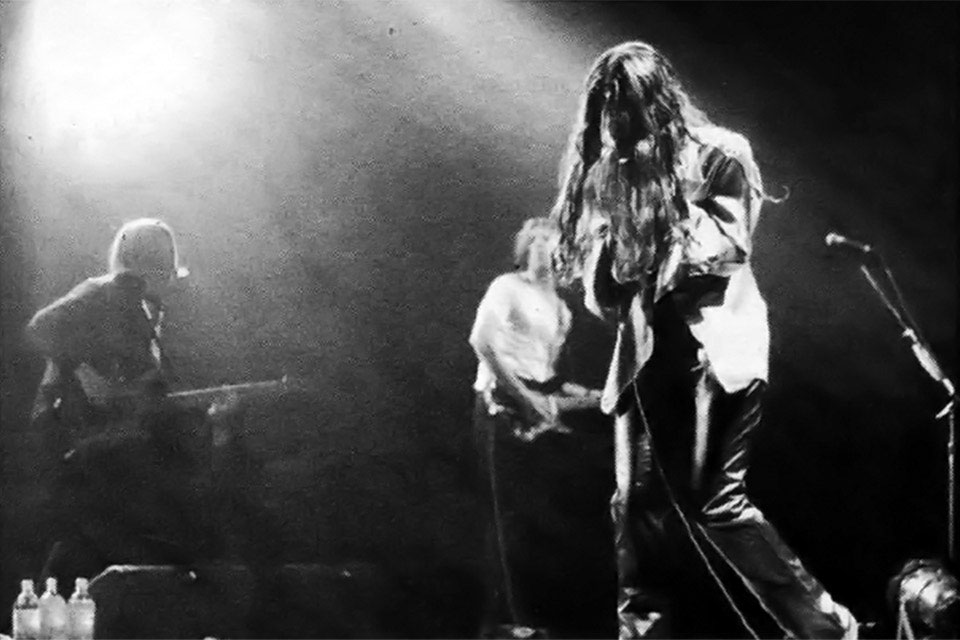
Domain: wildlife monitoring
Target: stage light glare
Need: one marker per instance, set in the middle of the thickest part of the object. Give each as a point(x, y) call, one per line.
point(101, 72)
point(925, 598)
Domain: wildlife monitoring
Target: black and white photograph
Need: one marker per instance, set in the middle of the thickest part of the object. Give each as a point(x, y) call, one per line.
point(500, 319)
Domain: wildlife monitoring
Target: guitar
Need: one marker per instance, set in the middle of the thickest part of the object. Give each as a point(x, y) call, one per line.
point(571, 397)
point(127, 397)
point(210, 396)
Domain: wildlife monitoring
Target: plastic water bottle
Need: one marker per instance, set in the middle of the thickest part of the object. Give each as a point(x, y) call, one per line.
point(53, 613)
point(26, 613)
point(82, 611)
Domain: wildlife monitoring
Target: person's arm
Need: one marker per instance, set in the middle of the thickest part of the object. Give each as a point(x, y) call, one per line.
point(489, 339)
point(576, 396)
point(67, 329)
point(715, 241)
point(84, 330)
point(720, 227)
point(602, 293)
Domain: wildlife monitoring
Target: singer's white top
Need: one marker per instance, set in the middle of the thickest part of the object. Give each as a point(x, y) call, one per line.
point(525, 323)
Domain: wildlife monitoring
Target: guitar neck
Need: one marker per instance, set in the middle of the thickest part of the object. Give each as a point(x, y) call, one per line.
point(228, 388)
point(206, 394)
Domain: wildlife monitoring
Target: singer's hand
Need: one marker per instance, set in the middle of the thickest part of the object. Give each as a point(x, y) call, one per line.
point(531, 434)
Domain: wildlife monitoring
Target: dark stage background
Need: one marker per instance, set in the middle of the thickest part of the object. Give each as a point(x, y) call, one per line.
point(345, 180)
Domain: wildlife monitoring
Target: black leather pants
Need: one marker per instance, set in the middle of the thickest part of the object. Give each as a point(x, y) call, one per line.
point(657, 472)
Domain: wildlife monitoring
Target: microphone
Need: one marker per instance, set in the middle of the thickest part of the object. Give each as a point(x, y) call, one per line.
point(834, 239)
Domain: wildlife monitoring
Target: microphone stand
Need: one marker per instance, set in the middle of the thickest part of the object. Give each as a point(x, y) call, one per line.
point(928, 362)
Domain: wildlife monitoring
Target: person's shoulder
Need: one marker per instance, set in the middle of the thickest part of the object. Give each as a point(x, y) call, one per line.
point(720, 137)
point(115, 286)
point(92, 286)
point(505, 283)
point(88, 285)
point(502, 291)
point(716, 140)
point(82, 292)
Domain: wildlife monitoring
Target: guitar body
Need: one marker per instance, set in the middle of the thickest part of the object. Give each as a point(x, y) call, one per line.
point(88, 406)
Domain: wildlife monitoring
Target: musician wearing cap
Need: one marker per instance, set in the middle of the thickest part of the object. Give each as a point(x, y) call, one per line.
point(101, 340)
point(139, 475)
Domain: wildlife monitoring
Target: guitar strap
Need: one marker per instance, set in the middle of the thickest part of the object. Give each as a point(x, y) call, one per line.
point(154, 310)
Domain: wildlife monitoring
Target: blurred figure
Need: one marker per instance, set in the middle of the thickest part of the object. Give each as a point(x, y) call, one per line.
point(101, 341)
point(105, 370)
point(522, 394)
point(137, 477)
point(657, 208)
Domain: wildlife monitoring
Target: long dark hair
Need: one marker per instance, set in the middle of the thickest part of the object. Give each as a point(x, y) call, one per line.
point(624, 155)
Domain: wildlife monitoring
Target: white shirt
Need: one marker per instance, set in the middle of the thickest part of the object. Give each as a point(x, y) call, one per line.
point(525, 323)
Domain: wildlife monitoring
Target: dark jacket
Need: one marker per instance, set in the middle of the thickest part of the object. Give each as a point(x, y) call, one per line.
point(100, 322)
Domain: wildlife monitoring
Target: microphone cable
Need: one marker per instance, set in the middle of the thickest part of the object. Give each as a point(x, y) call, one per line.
point(692, 534)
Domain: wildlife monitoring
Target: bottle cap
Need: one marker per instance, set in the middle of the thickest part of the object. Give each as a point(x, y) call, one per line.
point(26, 585)
point(81, 583)
point(51, 584)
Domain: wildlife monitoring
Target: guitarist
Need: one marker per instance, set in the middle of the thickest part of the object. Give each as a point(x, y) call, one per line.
point(522, 396)
point(101, 340)
point(139, 477)
point(519, 333)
